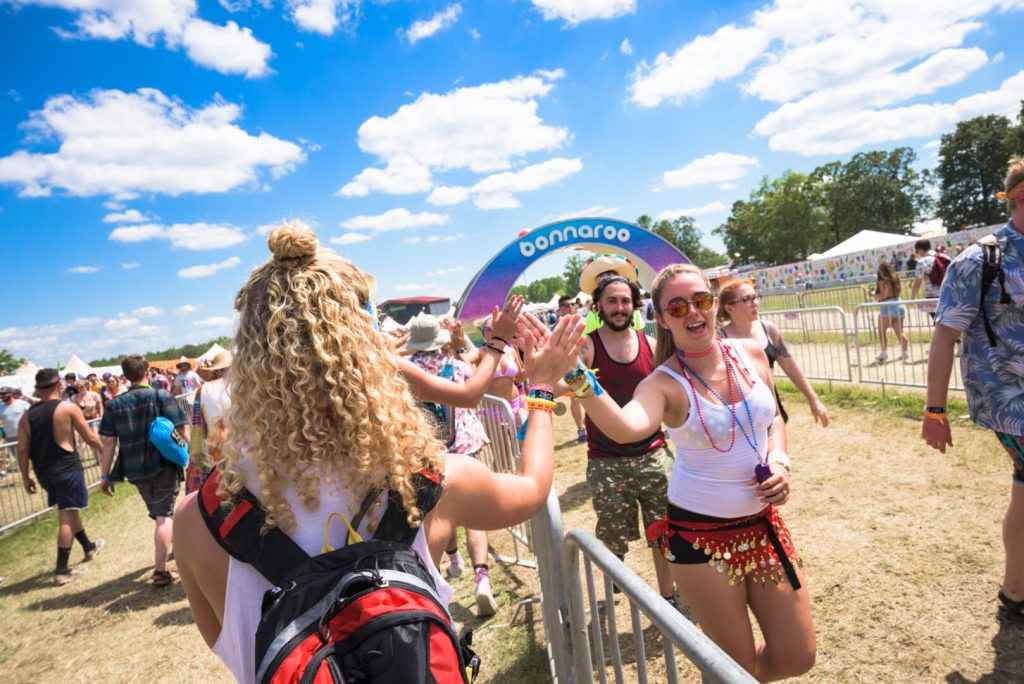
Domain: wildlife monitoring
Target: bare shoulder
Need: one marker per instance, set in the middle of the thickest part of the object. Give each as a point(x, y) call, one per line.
point(587, 350)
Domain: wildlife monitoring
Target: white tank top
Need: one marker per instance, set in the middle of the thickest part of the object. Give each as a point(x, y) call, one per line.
point(214, 400)
point(243, 596)
point(710, 482)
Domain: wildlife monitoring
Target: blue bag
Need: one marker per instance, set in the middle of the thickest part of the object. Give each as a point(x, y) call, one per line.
point(168, 441)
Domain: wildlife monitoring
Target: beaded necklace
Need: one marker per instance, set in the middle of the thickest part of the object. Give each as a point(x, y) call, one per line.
point(732, 379)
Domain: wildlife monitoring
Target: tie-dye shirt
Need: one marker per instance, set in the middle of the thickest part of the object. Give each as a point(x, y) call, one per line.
point(993, 376)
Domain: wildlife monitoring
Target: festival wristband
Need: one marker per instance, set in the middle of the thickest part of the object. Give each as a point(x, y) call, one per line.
point(934, 409)
point(941, 417)
point(540, 405)
point(541, 394)
point(104, 477)
point(781, 457)
point(542, 387)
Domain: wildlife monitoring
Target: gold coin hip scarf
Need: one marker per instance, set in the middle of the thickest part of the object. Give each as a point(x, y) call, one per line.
point(758, 547)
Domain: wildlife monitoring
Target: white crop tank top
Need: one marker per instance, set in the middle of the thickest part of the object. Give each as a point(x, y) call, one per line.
point(707, 481)
point(243, 596)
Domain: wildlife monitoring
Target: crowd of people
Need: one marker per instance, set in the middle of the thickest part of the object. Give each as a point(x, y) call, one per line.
point(318, 414)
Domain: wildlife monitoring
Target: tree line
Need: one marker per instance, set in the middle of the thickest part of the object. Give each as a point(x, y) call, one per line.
point(190, 351)
point(790, 217)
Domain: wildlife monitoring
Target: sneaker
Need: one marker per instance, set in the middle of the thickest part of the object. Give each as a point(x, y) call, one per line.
point(97, 544)
point(904, 357)
point(485, 603)
point(162, 578)
point(881, 358)
point(455, 565)
point(581, 435)
point(62, 578)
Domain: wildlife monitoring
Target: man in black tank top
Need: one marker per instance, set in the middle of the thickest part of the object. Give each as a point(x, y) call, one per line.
point(46, 441)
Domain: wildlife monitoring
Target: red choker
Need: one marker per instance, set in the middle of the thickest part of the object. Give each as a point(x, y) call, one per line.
point(695, 355)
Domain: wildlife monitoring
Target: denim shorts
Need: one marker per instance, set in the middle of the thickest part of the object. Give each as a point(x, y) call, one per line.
point(892, 310)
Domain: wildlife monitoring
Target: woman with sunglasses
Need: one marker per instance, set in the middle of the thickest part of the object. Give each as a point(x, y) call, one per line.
point(737, 318)
point(723, 536)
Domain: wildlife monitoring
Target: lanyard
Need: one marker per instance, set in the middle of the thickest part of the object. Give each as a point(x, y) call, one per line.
point(750, 438)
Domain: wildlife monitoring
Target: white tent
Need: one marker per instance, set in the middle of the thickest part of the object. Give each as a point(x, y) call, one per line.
point(114, 369)
point(389, 325)
point(210, 353)
point(865, 239)
point(26, 384)
point(77, 366)
point(27, 369)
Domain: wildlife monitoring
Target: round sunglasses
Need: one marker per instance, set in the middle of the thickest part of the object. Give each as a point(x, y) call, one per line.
point(679, 307)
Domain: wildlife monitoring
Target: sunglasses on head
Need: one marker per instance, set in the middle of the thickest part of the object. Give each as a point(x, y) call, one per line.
point(679, 307)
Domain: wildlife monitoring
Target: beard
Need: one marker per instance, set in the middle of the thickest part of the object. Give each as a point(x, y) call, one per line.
point(613, 325)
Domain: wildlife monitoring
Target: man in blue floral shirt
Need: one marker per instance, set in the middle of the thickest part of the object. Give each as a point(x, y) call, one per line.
point(993, 375)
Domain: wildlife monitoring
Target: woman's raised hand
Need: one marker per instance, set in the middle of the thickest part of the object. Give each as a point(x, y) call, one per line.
point(504, 319)
point(557, 355)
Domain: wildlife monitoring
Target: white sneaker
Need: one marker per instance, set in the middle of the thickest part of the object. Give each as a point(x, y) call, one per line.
point(455, 565)
point(881, 358)
point(485, 603)
point(904, 357)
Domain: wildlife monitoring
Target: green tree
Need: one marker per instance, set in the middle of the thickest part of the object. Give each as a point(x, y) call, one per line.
point(189, 350)
point(8, 363)
point(571, 273)
point(972, 166)
point(540, 291)
point(686, 236)
point(519, 290)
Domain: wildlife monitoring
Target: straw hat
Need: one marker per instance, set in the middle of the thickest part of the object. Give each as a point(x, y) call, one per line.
point(221, 361)
point(183, 361)
point(426, 334)
point(603, 263)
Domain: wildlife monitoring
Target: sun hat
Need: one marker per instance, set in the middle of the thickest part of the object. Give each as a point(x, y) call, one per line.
point(183, 362)
point(603, 263)
point(426, 334)
point(221, 361)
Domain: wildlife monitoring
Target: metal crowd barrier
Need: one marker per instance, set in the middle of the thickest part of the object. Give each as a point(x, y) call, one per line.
point(502, 456)
point(846, 298)
point(18, 506)
point(819, 340)
point(676, 631)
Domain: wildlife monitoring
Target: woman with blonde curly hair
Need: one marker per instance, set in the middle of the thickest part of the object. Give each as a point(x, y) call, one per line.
point(320, 417)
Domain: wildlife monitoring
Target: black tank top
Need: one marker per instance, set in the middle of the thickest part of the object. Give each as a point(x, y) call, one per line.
point(46, 455)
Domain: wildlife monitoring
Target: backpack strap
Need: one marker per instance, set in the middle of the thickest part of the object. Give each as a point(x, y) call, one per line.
point(991, 269)
point(272, 552)
point(393, 525)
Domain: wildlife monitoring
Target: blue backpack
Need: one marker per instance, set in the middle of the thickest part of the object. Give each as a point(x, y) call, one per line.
point(168, 441)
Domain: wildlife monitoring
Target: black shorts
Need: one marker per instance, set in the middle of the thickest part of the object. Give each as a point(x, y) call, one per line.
point(160, 493)
point(65, 490)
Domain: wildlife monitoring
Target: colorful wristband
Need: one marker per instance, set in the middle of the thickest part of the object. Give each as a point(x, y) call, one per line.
point(934, 409)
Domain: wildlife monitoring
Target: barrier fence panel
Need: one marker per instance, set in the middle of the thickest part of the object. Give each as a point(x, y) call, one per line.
point(893, 370)
point(676, 631)
point(819, 340)
point(846, 298)
point(777, 301)
point(502, 456)
point(18, 506)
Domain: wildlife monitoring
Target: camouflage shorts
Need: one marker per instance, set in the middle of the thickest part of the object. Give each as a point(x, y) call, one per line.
point(618, 485)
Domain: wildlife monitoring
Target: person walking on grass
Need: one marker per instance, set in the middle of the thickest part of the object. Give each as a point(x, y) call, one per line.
point(47, 446)
point(891, 313)
point(126, 421)
point(992, 326)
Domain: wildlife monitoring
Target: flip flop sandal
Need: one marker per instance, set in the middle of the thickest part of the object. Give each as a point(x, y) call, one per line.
point(162, 578)
point(1008, 608)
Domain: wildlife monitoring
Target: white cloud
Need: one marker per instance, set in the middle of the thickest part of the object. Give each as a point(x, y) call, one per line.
point(225, 322)
point(322, 16)
point(709, 208)
point(839, 70)
point(350, 238)
point(186, 309)
point(229, 49)
point(428, 27)
point(122, 322)
point(207, 270)
point(481, 128)
point(713, 168)
point(625, 47)
point(395, 219)
point(593, 210)
point(474, 33)
point(130, 265)
point(444, 195)
point(147, 311)
point(498, 190)
point(192, 236)
point(575, 11)
point(409, 287)
point(727, 186)
point(129, 216)
point(122, 144)
point(445, 271)
point(175, 22)
point(83, 269)
point(932, 145)
point(113, 206)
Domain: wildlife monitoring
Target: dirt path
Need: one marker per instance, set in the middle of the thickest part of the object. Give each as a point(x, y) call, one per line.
point(901, 545)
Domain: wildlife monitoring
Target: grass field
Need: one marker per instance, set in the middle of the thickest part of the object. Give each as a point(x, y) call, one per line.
point(901, 548)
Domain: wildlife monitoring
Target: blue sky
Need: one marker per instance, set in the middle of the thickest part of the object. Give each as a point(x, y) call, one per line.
point(146, 147)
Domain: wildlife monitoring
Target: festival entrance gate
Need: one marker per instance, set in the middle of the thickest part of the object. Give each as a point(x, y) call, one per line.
point(494, 281)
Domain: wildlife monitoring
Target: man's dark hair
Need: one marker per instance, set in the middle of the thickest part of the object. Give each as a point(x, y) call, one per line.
point(634, 289)
point(134, 367)
point(564, 300)
point(923, 244)
point(47, 378)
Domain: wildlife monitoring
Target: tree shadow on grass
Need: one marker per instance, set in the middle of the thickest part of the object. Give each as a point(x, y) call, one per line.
point(175, 618)
point(575, 496)
point(130, 592)
point(1008, 667)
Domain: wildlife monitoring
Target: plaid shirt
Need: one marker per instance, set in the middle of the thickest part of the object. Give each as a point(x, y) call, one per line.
point(127, 417)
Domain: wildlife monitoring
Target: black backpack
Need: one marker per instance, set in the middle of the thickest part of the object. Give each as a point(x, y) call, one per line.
point(367, 612)
point(991, 270)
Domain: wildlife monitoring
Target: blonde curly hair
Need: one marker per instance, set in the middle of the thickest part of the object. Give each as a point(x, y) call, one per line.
point(316, 396)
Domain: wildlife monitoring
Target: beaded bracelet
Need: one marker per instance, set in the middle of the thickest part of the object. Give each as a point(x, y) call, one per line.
point(541, 394)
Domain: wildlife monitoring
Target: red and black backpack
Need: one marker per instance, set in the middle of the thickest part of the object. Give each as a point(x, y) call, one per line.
point(367, 612)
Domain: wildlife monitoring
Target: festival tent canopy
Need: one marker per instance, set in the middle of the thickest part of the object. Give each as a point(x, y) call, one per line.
point(210, 353)
point(865, 239)
point(77, 366)
point(389, 325)
point(27, 370)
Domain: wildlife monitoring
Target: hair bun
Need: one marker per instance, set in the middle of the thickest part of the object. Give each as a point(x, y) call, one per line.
point(292, 240)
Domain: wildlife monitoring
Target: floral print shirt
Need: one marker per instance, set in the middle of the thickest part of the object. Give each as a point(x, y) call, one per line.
point(993, 376)
point(470, 435)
